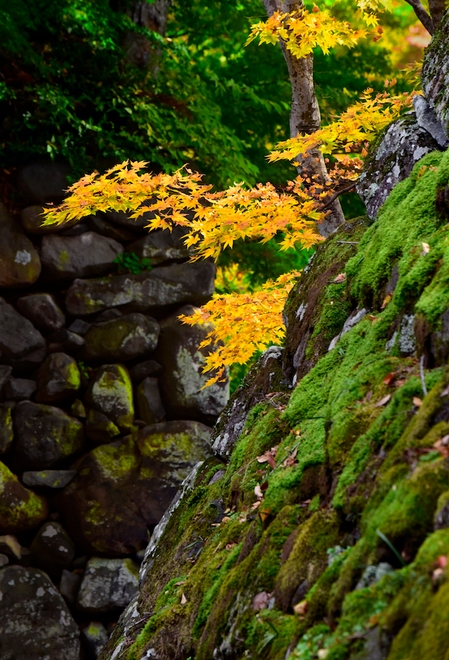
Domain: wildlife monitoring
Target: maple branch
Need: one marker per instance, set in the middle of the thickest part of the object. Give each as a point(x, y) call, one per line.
point(337, 194)
point(422, 15)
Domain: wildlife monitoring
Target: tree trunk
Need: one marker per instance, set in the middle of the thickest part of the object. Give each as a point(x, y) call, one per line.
point(139, 50)
point(305, 113)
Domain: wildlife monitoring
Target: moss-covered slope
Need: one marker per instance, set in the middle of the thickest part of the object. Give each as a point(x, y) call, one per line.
point(334, 544)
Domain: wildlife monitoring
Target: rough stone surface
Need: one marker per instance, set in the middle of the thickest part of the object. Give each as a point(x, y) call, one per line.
point(161, 287)
point(52, 548)
point(100, 428)
point(135, 225)
point(20, 508)
point(435, 73)
point(43, 181)
point(31, 218)
point(126, 338)
point(58, 378)
point(86, 255)
point(181, 381)
point(45, 436)
point(108, 585)
point(111, 393)
point(392, 159)
point(124, 487)
point(6, 427)
point(43, 312)
point(95, 637)
point(69, 585)
point(19, 262)
point(17, 335)
point(161, 245)
point(19, 389)
point(48, 478)
point(5, 373)
point(144, 370)
point(64, 340)
point(149, 404)
point(35, 623)
point(104, 228)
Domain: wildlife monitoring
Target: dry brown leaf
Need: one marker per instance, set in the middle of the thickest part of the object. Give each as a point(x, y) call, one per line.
point(225, 519)
point(417, 401)
point(258, 492)
point(386, 300)
point(183, 599)
point(425, 249)
point(264, 514)
point(389, 379)
point(383, 401)
point(442, 561)
point(260, 601)
point(301, 608)
point(442, 448)
point(340, 278)
point(445, 392)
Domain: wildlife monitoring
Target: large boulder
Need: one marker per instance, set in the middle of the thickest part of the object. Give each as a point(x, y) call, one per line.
point(58, 378)
point(32, 220)
point(126, 338)
point(52, 548)
point(18, 337)
point(161, 246)
point(182, 379)
point(43, 312)
point(124, 487)
point(111, 394)
point(107, 585)
point(35, 623)
point(19, 262)
point(43, 181)
point(392, 159)
point(435, 73)
point(161, 287)
point(45, 436)
point(86, 255)
point(20, 509)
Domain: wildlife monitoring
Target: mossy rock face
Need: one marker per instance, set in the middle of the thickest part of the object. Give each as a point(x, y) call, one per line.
point(321, 530)
point(45, 436)
point(58, 379)
point(111, 394)
point(123, 488)
point(20, 508)
point(128, 337)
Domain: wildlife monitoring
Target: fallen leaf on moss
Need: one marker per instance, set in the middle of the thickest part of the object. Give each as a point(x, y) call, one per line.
point(264, 514)
point(389, 379)
point(425, 249)
point(386, 300)
point(260, 601)
point(417, 401)
point(442, 561)
point(183, 599)
point(301, 608)
point(383, 401)
point(340, 278)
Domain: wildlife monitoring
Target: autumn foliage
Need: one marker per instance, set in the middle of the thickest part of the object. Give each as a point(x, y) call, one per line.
point(246, 322)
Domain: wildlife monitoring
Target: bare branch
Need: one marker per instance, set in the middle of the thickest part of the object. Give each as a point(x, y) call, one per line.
point(337, 194)
point(422, 15)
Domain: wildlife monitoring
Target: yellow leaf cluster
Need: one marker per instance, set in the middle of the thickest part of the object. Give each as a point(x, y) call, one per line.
point(242, 323)
point(349, 134)
point(215, 220)
point(304, 30)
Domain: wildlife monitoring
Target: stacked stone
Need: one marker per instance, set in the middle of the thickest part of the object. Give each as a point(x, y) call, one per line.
point(102, 414)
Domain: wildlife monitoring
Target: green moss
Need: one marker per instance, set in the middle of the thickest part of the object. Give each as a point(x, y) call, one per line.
point(20, 508)
point(117, 460)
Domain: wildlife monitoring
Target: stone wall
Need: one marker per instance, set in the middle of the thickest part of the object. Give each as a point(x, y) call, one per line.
point(102, 414)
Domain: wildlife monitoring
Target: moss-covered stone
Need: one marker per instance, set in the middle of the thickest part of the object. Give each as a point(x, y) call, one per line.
point(20, 508)
point(111, 393)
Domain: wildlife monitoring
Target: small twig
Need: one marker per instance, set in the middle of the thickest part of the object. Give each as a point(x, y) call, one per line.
point(348, 242)
point(337, 194)
point(421, 372)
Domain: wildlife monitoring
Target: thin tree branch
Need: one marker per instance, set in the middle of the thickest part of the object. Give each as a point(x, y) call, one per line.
point(422, 15)
point(337, 194)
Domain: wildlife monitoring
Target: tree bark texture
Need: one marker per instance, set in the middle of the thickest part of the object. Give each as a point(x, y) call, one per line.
point(305, 115)
point(139, 50)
